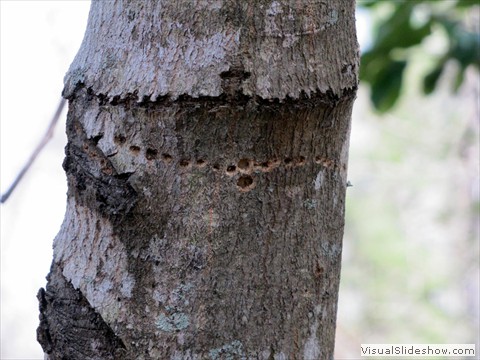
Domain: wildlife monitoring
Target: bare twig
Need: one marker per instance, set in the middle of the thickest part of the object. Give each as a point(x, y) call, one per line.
point(46, 138)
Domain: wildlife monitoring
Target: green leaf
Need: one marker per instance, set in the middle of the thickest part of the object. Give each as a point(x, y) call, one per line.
point(431, 79)
point(466, 3)
point(398, 32)
point(383, 65)
point(387, 85)
point(371, 64)
point(367, 3)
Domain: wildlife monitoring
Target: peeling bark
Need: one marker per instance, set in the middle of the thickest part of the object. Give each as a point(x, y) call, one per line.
point(206, 164)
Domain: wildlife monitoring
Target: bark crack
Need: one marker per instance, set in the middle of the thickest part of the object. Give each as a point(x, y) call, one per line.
point(232, 96)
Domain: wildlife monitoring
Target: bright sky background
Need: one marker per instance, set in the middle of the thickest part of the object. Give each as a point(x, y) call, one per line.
point(38, 42)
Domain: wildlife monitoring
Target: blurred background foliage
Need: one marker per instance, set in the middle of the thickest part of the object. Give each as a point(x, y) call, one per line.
point(410, 271)
point(403, 26)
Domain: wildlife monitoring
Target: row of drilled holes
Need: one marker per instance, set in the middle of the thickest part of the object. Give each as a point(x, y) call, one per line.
point(244, 166)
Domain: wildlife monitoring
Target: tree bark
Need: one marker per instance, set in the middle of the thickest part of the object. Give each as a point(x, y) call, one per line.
point(206, 164)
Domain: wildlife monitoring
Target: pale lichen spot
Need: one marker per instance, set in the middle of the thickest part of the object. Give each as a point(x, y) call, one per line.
point(318, 181)
point(174, 322)
point(232, 350)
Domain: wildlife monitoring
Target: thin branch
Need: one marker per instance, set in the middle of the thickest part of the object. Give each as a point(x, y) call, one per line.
point(46, 138)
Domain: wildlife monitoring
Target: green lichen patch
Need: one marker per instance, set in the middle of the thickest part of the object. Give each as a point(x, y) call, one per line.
point(174, 322)
point(233, 350)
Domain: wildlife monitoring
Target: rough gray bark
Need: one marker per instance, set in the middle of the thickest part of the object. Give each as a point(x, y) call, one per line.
point(206, 162)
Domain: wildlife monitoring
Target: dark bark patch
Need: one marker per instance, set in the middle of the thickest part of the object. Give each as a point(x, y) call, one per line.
point(235, 73)
point(65, 314)
point(93, 179)
point(97, 138)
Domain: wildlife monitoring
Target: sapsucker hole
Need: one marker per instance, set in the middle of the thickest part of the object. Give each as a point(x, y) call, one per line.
point(300, 161)
point(151, 154)
point(244, 181)
point(201, 163)
point(120, 139)
point(135, 149)
point(184, 162)
point(243, 164)
point(231, 169)
point(167, 158)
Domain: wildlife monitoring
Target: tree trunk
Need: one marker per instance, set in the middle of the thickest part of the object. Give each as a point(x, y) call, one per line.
point(206, 163)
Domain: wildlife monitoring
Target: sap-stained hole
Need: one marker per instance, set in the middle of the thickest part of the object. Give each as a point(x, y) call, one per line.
point(266, 166)
point(243, 164)
point(151, 154)
point(216, 167)
point(167, 158)
point(300, 161)
point(274, 163)
point(287, 161)
point(120, 139)
point(184, 162)
point(319, 270)
point(329, 164)
point(135, 149)
point(231, 169)
point(245, 182)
